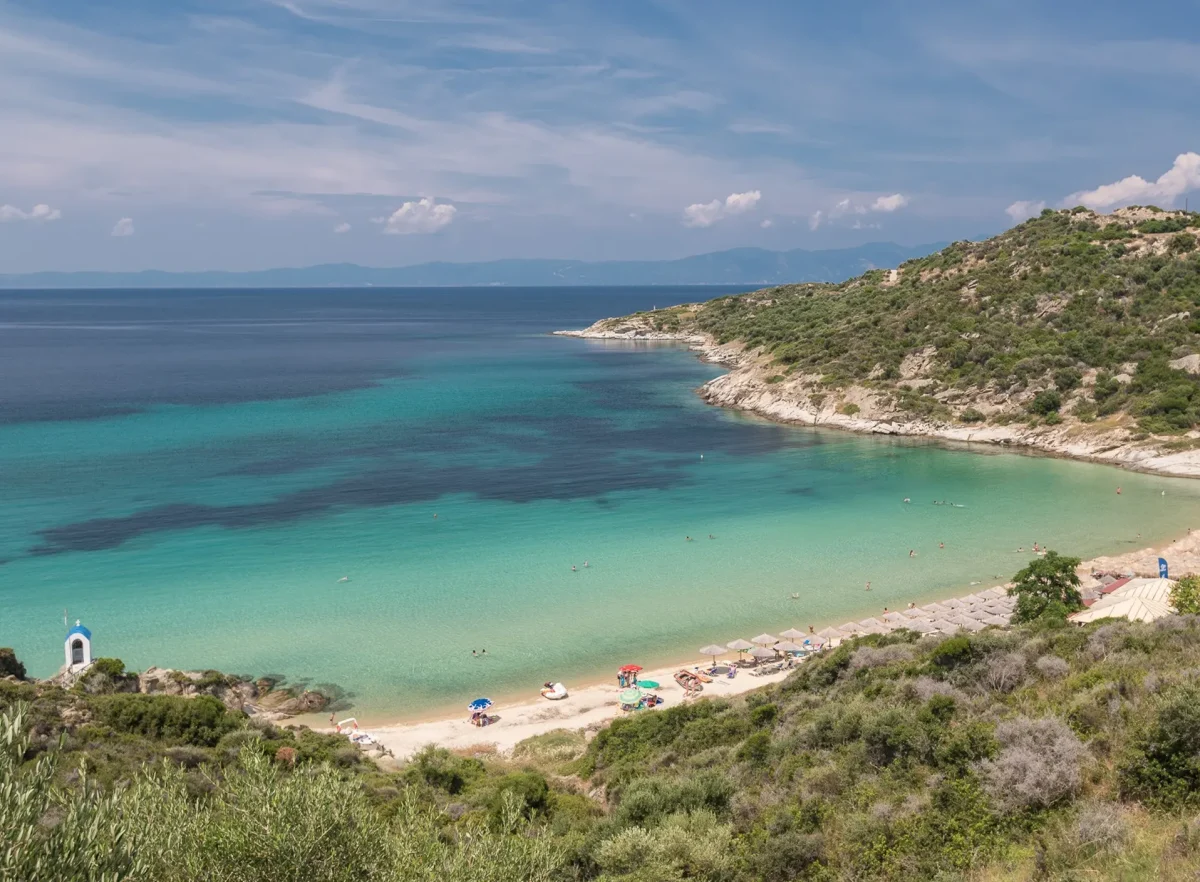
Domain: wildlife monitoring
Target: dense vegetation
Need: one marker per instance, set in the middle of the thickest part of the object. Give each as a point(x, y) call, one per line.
point(1070, 312)
point(1045, 751)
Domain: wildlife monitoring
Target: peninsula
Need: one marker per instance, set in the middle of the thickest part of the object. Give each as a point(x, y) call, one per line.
point(1074, 333)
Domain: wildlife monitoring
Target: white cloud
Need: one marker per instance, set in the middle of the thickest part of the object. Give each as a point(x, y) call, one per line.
point(889, 203)
point(767, 224)
point(1024, 209)
point(705, 214)
point(1183, 176)
point(343, 227)
point(40, 213)
point(422, 216)
point(815, 221)
point(123, 227)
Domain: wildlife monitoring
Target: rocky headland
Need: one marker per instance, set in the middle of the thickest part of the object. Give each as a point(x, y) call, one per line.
point(919, 388)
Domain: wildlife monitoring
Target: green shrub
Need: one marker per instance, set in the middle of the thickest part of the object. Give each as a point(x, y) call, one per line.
point(1045, 402)
point(1162, 764)
point(953, 652)
point(1182, 243)
point(971, 415)
point(200, 721)
point(764, 714)
point(1185, 595)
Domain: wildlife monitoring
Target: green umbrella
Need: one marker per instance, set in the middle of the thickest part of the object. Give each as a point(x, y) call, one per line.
point(630, 696)
point(647, 684)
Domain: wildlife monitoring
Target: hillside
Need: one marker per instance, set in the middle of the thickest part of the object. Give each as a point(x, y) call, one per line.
point(1044, 752)
point(738, 266)
point(1073, 332)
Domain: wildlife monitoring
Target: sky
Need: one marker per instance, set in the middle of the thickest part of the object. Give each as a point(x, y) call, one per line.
point(245, 134)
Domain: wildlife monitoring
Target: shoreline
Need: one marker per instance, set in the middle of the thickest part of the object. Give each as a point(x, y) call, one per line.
point(592, 703)
point(747, 389)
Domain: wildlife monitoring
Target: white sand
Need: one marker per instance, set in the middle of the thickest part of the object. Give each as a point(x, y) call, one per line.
point(585, 708)
point(590, 707)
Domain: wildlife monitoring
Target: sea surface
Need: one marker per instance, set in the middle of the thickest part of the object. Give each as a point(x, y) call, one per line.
point(361, 487)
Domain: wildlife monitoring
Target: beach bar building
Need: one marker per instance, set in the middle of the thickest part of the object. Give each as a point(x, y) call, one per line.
point(78, 648)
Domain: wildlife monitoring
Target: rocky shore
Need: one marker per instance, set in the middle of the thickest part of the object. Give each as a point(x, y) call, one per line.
point(753, 385)
point(263, 697)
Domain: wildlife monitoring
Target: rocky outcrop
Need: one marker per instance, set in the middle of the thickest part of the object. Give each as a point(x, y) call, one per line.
point(258, 697)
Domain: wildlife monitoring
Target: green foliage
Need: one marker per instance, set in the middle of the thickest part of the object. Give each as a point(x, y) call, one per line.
point(971, 415)
point(1162, 765)
point(199, 721)
point(1047, 587)
point(1185, 595)
point(1045, 402)
point(952, 652)
point(10, 665)
point(109, 667)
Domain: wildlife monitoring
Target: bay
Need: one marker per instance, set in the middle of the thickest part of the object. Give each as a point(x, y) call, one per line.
point(193, 473)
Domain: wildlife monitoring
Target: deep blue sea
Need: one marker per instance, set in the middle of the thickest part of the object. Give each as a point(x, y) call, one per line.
point(193, 473)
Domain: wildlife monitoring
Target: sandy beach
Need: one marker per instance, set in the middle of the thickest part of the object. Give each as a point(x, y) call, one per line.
point(589, 707)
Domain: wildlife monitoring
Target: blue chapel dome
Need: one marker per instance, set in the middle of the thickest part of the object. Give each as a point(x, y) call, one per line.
point(79, 629)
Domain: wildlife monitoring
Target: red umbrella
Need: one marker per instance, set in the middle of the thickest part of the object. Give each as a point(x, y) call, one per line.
point(631, 669)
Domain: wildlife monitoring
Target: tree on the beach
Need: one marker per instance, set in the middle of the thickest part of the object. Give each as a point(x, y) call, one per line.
point(1185, 595)
point(1047, 587)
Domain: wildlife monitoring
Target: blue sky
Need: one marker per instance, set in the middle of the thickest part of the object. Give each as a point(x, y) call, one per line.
point(241, 134)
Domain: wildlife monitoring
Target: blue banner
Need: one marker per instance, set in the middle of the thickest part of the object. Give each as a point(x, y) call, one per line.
point(1162, 568)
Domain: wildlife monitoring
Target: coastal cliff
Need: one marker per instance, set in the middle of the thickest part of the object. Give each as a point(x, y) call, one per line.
point(1070, 335)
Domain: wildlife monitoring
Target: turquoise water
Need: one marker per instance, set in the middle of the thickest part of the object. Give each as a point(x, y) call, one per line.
point(192, 477)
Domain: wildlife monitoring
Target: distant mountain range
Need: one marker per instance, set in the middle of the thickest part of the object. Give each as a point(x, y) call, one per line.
point(748, 266)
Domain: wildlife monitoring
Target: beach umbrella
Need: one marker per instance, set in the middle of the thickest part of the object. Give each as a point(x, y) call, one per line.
point(788, 646)
point(912, 613)
point(953, 603)
point(714, 650)
point(761, 652)
point(938, 608)
point(740, 645)
point(813, 641)
point(895, 618)
point(648, 684)
point(479, 704)
point(830, 633)
point(765, 638)
point(630, 669)
point(632, 695)
point(921, 626)
point(995, 620)
point(969, 623)
point(791, 634)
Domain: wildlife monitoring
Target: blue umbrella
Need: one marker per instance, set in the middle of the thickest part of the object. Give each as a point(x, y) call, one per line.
point(480, 704)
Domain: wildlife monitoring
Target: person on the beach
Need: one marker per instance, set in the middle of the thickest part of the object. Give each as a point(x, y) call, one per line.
point(912, 552)
point(911, 605)
point(810, 630)
point(474, 654)
point(711, 536)
point(941, 545)
point(885, 610)
point(573, 570)
point(868, 588)
point(585, 564)
point(435, 515)
point(687, 538)
point(906, 499)
point(1118, 491)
